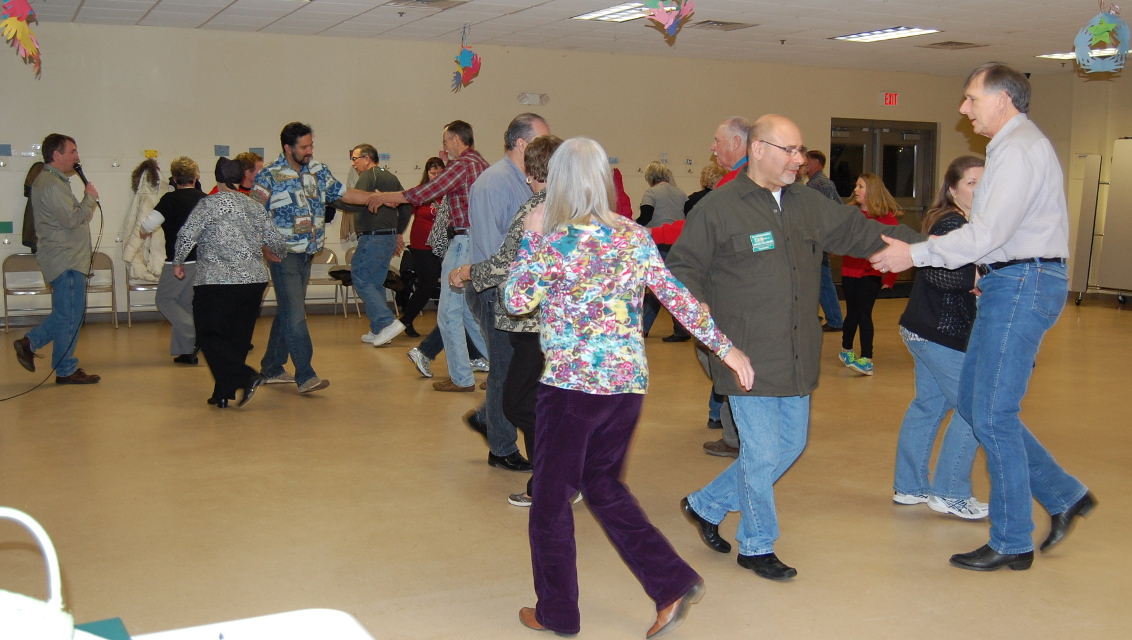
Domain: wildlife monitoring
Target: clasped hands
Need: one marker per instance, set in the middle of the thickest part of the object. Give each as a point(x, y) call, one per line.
point(380, 199)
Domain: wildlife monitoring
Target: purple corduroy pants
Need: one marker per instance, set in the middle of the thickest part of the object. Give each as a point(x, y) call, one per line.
point(580, 444)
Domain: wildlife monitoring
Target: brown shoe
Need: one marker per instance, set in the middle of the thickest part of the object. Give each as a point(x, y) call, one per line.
point(78, 377)
point(448, 385)
point(721, 449)
point(671, 616)
point(483, 385)
point(24, 354)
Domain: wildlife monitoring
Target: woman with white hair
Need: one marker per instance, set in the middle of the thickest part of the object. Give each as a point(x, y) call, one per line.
point(586, 268)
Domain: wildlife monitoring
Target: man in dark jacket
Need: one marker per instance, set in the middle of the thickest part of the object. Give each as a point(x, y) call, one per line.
point(753, 254)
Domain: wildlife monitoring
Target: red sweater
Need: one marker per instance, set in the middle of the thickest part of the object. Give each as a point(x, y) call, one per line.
point(860, 267)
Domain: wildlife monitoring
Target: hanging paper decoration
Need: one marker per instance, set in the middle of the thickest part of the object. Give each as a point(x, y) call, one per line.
point(670, 15)
point(467, 65)
point(17, 15)
point(1110, 34)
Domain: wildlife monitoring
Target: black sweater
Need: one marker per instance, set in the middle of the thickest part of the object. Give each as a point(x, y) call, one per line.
point(941, 307)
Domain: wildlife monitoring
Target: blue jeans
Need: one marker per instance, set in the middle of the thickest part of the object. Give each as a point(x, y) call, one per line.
point(937, 388)
point(289, 333)
point(1018, 305)
point(68, 305)
point(454, 317)
point(433, 344)
point(501, 434)
point(829, 304)
point(368, 270)
point(773, 433)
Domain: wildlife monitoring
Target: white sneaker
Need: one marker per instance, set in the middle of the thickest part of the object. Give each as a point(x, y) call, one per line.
point(481, 365)
point(314, 384)
point(966, 508)
point(368, 337)
point(422, 362)
point(282, 378)
point(388, 333)
point(909, 498)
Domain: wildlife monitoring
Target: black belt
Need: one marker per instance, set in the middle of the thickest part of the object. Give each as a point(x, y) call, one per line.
point(378, 232)
point(984, 269)
point(453, 232)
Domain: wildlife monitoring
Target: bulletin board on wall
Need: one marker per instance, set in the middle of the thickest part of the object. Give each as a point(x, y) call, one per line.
point(1114, 269)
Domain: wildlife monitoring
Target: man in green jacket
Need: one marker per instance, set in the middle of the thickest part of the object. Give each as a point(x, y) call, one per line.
point(753, 254)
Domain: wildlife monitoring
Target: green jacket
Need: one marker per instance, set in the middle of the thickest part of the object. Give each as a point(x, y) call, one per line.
point(759, 269)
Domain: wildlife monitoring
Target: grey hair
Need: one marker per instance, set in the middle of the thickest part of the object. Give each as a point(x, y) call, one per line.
point(521, 126)
point(579, 186)
point(367, 151)
point(738, 126)
point(999, 77)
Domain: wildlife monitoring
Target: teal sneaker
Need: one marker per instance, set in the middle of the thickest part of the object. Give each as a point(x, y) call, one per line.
point(846, 356)
point(861, 365)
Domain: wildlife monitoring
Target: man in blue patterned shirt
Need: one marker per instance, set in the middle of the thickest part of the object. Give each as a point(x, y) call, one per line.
point(295, 190)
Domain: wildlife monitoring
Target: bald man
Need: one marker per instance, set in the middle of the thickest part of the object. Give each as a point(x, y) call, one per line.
point(752, 253)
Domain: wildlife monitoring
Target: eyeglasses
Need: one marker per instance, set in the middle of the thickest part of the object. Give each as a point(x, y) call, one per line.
point(789, 150)
point(353, 158)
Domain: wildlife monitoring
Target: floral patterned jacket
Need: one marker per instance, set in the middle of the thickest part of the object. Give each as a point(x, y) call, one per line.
point(588, 281)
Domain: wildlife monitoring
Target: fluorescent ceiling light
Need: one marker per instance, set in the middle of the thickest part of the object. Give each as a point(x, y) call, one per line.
point(619, 13)
point(1097, 53)
point(886, 34)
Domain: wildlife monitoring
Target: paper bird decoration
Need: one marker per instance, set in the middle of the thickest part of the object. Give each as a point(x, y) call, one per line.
point(17, 15)
point(670, 14)
point(1109, 31)
point(467, 68)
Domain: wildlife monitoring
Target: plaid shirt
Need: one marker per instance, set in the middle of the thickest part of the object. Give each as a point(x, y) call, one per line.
point(455, 182)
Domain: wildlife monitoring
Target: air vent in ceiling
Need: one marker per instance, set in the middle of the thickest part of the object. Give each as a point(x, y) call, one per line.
point(952, 45)
point(435, 5)
point(719, 25)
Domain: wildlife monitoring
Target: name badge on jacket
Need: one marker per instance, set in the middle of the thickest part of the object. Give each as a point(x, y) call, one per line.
point(762, 241)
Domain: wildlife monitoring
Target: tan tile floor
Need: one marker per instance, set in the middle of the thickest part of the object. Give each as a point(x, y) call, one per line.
point(372, 497)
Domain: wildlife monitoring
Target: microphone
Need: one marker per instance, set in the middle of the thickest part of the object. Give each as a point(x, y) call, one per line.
point(79, 171)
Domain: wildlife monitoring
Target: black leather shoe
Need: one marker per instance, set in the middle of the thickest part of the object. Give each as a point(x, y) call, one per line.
point(767, 565)
point(1062, 523)
point(709, 532)
point(475, 423)
point(186, 358)
point(676, 338)
point(219, 403)
point(513, 462)
point(410, 331)
point(986, 559)
point(24, 355)
point(249, 391)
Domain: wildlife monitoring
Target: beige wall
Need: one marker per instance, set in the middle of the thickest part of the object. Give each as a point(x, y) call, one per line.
point(121, 90)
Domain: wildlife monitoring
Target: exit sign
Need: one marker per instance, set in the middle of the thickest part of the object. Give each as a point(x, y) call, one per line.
point(889, 99)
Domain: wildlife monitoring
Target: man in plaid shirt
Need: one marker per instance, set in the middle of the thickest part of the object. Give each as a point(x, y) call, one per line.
point(453, 315)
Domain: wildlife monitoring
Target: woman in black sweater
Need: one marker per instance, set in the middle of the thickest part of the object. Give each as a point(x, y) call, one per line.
point(935, 327)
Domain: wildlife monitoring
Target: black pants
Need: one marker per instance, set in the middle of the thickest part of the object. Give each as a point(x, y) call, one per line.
point(860, 296)
point(225, 315)
point(427, 267)
point(520, 388)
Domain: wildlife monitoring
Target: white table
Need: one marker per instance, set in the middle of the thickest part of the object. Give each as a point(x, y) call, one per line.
point(305, 624)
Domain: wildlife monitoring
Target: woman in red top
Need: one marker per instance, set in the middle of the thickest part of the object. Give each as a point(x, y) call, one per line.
point(426, 265)
point(860, 282)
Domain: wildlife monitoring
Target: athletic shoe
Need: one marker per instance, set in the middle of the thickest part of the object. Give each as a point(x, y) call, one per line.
point(909, 498)
point(424, 365)
point(966, 508)
point(846, 356)
point(523, 500)
point(388, 333)
point(282, 378)
point(481, 365)
point(368, 337)
point(314, 384)
point(862, 366)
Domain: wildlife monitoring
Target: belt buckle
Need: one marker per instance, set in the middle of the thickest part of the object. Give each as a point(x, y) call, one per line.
point(983, 269)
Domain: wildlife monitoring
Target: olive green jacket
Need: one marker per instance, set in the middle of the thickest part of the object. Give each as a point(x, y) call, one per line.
point(759, 269)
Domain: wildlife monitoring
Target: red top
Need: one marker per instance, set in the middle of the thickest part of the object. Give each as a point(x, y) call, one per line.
point(423, 218)
point(861, 267)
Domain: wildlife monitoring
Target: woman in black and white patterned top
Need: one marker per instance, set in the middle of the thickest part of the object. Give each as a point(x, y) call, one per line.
point(233, 234)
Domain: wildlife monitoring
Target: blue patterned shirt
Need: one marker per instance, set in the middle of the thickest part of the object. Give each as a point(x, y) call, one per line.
point(296, 202)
